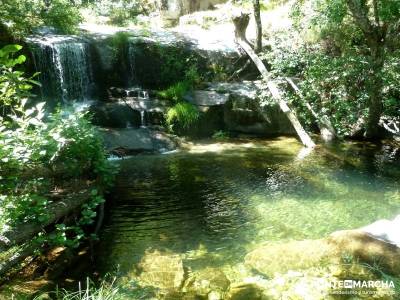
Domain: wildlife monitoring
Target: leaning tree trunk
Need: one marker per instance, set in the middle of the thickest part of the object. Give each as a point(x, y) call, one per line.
point(241, 22)
point(326, 129)
point(257, 17)
point(26, 231)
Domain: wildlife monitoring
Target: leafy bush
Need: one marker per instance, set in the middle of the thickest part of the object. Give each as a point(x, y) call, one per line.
point(14, 87)
point(33, 152)
point(20, 17)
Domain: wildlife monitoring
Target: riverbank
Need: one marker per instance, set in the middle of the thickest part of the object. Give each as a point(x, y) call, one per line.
point(214, 219)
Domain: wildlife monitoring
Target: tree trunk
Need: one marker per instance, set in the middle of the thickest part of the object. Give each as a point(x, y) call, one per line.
point(17, 258)
point(375, 93)
point(327, 131)
point(257, 17)
point(375, 35)
point(23, 232)
point(241, 22)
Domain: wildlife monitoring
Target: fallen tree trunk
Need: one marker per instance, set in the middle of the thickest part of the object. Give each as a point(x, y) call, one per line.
point(241, 22)
point(326, 129)
point(15, 259)
point(26, 231)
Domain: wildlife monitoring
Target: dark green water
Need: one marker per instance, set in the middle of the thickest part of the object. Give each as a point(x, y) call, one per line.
point(215, 202)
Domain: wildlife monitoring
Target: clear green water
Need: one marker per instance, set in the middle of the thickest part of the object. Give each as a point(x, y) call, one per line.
point(214, 203)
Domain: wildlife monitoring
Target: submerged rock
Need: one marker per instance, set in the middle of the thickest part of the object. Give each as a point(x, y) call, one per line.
point(282, 257)
point(162, 270)
point(342, 253)
point(245, 291)
point(208, 281)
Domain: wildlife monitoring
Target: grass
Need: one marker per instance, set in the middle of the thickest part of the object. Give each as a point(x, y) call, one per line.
point(183, 113)
point(106, 291)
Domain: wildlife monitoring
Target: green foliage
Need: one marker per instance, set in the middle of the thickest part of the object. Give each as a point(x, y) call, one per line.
point(329, 55)
point(221, 135)
point(22, 16)
point(14, 87)
point(122, 12)
point(105, 291)
point(31, 150)
point(176, 91)
point(183, 114)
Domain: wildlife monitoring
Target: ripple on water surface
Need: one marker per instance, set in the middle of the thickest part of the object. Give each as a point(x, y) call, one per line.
point(214, 203)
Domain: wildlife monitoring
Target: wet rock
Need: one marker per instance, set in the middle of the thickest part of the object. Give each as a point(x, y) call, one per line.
point(117, 92)
point(154, 117)
point(115, 115)
point(162, 270)
point(133, 141)
point(245, 291)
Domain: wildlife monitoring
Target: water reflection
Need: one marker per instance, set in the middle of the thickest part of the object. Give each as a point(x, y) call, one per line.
point(212, 204)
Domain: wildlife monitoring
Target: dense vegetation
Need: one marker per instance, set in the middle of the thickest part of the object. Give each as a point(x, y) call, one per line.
point(344, 55)
point(44, 157)
point(337, 63)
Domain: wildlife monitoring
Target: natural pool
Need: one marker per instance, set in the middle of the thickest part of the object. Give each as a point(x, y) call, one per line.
point(214, 202)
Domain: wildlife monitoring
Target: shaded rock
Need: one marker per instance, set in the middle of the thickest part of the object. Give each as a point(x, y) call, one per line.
point(117, 92)
point(115, 115)
point(154, 117)
point(162, 270)
point(245, 291)
point(131, 141)
point(366, 248)
point(207, 98)
point(244, 113)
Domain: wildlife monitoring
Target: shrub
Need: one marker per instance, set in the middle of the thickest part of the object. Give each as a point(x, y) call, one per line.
point(31, 150)
point(183, 115)
point(21, 17)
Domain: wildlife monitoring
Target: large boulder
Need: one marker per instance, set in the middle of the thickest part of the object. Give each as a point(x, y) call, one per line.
point(132, 141)
point(236, 107)
point(338, 249)
point(161, 270)
point(115, 115)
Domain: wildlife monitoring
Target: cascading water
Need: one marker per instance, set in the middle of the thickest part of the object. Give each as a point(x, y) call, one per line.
point(132, 77)
point(64, 66)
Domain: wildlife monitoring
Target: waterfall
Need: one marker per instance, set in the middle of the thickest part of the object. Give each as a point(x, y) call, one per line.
point(64, 66)
point(132, 77)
